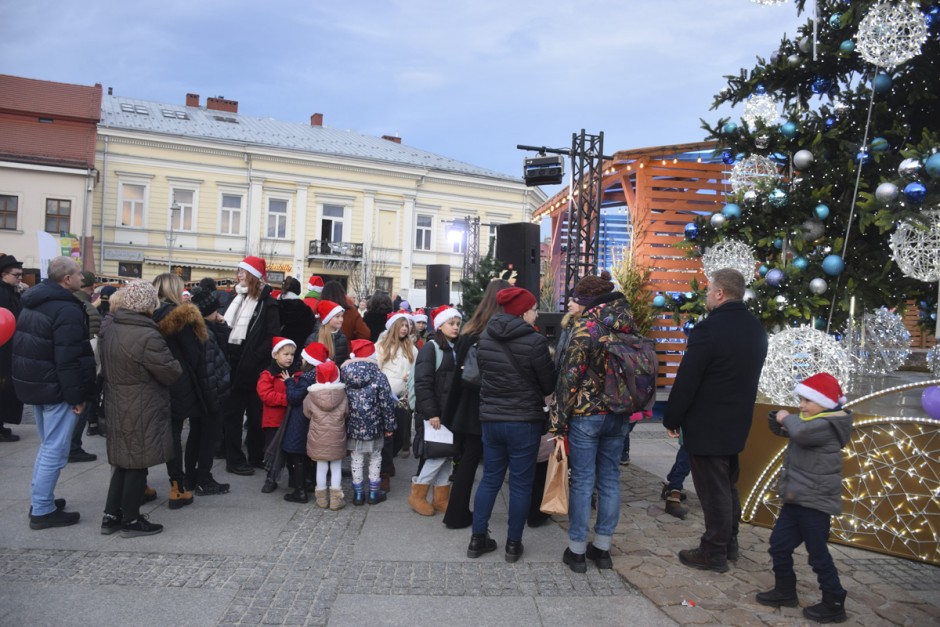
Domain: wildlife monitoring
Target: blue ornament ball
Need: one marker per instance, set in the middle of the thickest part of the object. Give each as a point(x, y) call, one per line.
point(800, 263)
point(915, 192)
point(788, 129)
point(830, 122)
point(821, 85)
point(762, 270)
point(863, 157)
point(775, 277)
point(677, 299)
point(932, 165)
point(731, 211)
point(777, 198)
point(882, 82)
point(760, 90)
point(847, 47)
point(659, 301)
point(833, 265)
point(727, 157)
point(835, 20)
point(729, 128)
point(932, 16)
point(688, 326)
point(819, 323)
point(691, 231)
point(778, 243)
point(821, 211)
point(879, 144)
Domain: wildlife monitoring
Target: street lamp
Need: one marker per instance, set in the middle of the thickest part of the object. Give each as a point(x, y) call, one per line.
point(171, 237)
point(466, 231)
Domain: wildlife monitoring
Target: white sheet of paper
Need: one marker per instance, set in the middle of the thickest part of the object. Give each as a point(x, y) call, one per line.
point(441, 436)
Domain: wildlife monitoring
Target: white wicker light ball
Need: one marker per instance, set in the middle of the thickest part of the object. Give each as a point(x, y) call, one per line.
point(880, 344)
point(754, 173)
point(730, 254)
point(793, 355)
point(916, 249)
point(760, 107)
point(891, 34)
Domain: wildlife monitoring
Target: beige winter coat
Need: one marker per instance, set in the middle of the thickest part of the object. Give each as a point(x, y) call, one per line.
point(326, 408)
point(138, 370)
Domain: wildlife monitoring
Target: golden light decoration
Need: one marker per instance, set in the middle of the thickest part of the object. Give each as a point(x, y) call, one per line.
point(891, 481)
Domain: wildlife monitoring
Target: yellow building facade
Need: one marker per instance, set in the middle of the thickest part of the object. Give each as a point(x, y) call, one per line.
point(197, 188)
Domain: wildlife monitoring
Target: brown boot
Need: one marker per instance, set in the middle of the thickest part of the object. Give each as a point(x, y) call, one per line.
point(179, 496)
point(323, 498)
point(419, 499)
point(674, 505)
point(337, 499)
point(386, 481)
point(441, 496)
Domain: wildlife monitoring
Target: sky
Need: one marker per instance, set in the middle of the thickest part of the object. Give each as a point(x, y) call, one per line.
point(466, 80)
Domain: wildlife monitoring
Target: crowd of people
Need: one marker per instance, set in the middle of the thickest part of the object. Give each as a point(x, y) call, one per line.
point(310, 379)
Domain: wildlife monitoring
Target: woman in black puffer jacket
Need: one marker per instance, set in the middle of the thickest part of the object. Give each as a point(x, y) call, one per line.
point(296, 316)
point(518, 374)
point(182, 326)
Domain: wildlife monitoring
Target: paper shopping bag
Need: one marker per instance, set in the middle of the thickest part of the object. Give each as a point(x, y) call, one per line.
point(555, 497)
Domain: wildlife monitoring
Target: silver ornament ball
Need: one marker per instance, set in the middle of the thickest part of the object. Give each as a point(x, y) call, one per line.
point(750, 198)
point(818, 286)
point(886, 192)
point(717, 220)
point(749, 294)
point(812, 229)
point(802, 159)
point(909, 168)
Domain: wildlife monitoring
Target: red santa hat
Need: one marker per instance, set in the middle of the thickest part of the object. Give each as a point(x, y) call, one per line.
point(277, 343)
point(327, 372)
point(326, 309)
point(315, 285)
point(419, 316)
point(254, 266)
point(362, 349)
point(315, 354)
point(442, 314)
point(823, 389)
point(396, 315)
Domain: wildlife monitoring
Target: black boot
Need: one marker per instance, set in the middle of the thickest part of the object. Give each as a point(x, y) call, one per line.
point(830, 610)
point(783, 593)
point(481, 543)
point(298, 474)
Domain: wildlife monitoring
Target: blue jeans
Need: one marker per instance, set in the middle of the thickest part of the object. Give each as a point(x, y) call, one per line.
point(595, 444)
point(513, 446)
point(680, 470)
point(625, 456)
point(803, 525)
point(54, 423)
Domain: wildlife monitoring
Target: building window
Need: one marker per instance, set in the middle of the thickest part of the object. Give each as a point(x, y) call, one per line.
point(132, 205)
point(383, 283)
point(423, 233)
point(132, 270)
point(331, 228)
point(231, 215)
point(492, 239)
point(182, 220)
point(58, 215)
point(277, 218)
point(8, 212)
point(421, 284)
point(455, 286)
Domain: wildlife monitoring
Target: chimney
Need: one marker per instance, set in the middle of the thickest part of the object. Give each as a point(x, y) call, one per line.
point(392, 138)
point(192, 100)
point(221, 104)
point(316, 119)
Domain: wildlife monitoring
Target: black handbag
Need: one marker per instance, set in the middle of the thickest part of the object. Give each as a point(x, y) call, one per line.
point(470, 371)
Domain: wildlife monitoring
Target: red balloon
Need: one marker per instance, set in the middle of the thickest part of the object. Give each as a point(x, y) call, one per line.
point(7, 325)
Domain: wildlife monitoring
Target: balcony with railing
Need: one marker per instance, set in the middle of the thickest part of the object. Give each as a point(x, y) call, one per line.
point(334, 252)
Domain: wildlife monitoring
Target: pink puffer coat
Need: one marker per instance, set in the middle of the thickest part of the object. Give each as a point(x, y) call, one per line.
point(326, 407)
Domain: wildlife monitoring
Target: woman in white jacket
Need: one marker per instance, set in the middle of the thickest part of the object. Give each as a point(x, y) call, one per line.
point(396, 352)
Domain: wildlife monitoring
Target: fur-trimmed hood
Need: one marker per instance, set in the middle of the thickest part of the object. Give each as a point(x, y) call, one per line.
point(171, 319)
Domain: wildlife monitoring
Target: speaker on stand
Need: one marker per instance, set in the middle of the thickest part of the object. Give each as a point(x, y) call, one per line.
point(517, 246)
point(438, 285)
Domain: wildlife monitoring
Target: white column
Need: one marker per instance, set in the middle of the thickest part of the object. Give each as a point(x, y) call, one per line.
point(407, 241)
point(255, 203)
point(300, 232)
point(368, 221)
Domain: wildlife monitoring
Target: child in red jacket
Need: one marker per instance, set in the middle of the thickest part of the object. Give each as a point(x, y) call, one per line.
point(273, 394)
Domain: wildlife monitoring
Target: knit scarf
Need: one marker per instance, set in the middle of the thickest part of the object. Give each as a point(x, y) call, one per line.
point(238, 315)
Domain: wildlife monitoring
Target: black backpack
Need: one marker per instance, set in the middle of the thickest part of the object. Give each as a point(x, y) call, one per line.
point(630, 372)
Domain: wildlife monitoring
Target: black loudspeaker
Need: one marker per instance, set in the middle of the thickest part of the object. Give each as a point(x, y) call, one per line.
point(438, 285)
point(517, 246)
point(549, 324)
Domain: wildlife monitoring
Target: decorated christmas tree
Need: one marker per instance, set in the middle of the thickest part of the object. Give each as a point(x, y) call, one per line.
point(834, 183)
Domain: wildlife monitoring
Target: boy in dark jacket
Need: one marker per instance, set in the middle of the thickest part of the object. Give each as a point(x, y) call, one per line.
point(810, 488)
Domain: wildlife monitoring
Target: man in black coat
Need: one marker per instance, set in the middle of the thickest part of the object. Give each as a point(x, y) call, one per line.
point(53, 370)
point(11, 408)
point(712, 402)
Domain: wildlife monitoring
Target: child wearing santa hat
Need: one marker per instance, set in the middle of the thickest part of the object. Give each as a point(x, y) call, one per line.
point(810, 489)
point(272, 391)
point(420, 321)
point(331, 334)
point(371, 418)
point(326, 407)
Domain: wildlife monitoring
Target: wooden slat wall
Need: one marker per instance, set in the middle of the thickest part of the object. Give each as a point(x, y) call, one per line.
point(919, 339)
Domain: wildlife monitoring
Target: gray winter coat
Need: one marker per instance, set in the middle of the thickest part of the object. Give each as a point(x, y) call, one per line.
point(812, 470)
point(326, 407)
point(138, 370)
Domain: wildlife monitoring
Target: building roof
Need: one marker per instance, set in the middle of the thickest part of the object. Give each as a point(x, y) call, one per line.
point(48, 123)
point(201, 123)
